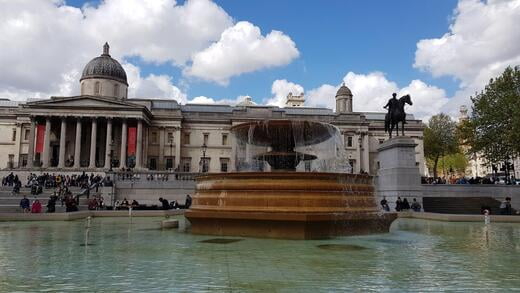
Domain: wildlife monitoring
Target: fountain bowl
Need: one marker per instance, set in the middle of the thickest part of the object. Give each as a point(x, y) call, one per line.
point(289, 205)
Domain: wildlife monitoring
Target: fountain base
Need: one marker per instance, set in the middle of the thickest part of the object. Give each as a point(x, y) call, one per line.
point(289, 205)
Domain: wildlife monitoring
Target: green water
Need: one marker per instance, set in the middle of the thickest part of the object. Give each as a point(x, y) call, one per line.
point(139, 257)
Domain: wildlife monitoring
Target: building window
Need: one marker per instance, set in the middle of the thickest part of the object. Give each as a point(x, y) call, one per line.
point(352, 164)
point(224, 139)
point(169, 163)
point(26, 134)
point(350, 140)
point(186, 138)
point(224, 164)
point(308, 166)
point(14, 135)
point(186, 164)
point(170, 137)
point(206, 138)
point(23, 160)
point(153, 164)
point(97, 88)
point(154, 138)
point(204, 165)
point(116, 90)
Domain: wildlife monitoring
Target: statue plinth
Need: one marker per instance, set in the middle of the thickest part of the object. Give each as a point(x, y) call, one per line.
point(398, 173)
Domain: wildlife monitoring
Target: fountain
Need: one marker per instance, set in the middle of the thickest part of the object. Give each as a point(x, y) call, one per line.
point(285, 203)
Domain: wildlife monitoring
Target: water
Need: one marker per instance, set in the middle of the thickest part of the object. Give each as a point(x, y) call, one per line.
point(139, 257)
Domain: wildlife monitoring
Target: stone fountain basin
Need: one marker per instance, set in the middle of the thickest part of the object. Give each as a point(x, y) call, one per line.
point(292, 205)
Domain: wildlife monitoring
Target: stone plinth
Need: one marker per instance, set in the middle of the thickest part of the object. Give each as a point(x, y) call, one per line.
point(398, 173)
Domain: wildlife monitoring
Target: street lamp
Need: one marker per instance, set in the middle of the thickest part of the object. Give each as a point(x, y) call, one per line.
point(204, 149)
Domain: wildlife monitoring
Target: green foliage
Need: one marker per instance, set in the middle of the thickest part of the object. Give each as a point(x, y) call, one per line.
point(493, 129)
point(440, 139)
point(456, 163)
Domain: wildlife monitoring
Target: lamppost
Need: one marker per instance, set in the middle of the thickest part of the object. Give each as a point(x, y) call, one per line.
point(204, 149)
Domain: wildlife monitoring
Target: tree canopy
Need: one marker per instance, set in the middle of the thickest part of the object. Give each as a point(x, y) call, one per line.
point(493, 128)
point(440, 139)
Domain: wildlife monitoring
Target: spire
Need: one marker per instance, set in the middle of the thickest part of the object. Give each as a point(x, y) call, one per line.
point(106, 48)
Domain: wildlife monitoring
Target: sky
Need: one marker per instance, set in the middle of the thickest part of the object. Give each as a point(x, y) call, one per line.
point(201, 51)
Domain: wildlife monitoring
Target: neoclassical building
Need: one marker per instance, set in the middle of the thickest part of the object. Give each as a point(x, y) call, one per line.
point(101, 129)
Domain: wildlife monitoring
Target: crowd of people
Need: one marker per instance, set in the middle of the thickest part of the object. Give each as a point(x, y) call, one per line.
point(402, 205)
point(461, 180)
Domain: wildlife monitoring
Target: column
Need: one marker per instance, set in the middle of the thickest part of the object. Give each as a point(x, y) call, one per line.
point(63, 131)
point(124, 130)
point(178, 149)
point(46, 142)
point(77, 145)
point(359, 154)
point(139, 150)
point(93, 137)
point(108, 145)
point(30, 152)
point(366, 153)
point(161, 149)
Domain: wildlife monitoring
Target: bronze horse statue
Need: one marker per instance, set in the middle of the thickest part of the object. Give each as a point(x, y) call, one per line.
point(396, 114)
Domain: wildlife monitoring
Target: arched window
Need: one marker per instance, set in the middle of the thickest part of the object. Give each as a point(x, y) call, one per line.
point(97, 88)
point(116, 90)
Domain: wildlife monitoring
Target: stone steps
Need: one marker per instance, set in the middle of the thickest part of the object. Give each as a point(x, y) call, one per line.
point(460, 205)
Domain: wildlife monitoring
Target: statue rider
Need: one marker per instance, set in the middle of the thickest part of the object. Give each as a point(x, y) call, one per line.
point(392, 104)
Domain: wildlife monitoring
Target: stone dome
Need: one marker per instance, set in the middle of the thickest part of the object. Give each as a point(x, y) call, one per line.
point(104, 66)
point(344, 91)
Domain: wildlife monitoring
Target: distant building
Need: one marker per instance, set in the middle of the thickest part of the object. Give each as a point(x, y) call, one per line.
point(101, 128)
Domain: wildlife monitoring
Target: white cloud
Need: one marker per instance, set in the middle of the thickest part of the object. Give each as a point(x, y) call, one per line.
point(372, 91)
point(241, 49)
point(159, 30)
point(482, 40)
point(322, 96)
point(151, 87)
point(208, 100)
point(280, 89)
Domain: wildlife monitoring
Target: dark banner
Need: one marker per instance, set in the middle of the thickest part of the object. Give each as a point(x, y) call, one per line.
point(132, 140)
point(40, 134)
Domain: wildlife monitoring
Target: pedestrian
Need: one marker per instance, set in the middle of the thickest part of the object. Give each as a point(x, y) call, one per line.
point(25, 204)
point(416, 207)
point(398, 204)
point(505, 207)
point(36, 207)
point(405, 205)
point(384, 204)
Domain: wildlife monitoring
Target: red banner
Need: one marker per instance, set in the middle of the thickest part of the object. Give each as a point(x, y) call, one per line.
point(132, 140)
point(40, 134)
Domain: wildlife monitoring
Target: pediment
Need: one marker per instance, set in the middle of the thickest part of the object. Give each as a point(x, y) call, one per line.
point(83, 102)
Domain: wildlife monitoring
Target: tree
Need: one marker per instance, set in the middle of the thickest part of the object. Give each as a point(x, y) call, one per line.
point(493, 128)
point(439, 139)
point(455, 163)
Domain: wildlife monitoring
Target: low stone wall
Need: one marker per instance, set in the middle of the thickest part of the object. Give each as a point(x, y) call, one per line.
point(4, 217)
point(459, 218)
point(498, 192)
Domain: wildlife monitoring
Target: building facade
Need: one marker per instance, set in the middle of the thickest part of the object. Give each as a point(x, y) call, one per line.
point(102, 129)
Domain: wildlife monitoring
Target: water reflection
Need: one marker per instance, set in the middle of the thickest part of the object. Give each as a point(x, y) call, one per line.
point(416, 256)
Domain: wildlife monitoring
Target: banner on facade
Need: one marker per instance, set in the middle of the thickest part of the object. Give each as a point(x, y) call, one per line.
point(40, 135)
point(132, 140)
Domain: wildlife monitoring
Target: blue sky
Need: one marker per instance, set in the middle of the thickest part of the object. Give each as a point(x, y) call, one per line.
point(333, 38)
point(440, 52)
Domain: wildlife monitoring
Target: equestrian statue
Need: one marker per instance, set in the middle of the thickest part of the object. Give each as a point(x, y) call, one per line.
point(396, 113)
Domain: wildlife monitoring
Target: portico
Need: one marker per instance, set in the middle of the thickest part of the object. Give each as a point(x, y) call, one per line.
point(93, 134)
